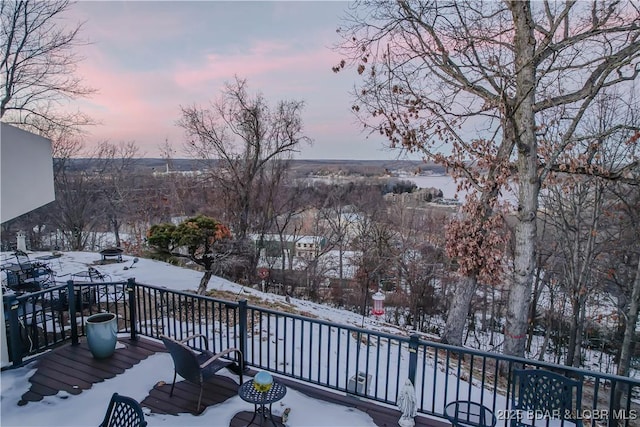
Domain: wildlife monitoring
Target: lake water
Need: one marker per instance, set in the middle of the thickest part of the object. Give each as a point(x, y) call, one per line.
point(441, 182)
point(449, 187)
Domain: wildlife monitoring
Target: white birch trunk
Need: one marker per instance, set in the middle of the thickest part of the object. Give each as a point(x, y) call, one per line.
point(523, 125)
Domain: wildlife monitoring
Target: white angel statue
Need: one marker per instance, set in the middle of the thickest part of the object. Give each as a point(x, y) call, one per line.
point(407, 404)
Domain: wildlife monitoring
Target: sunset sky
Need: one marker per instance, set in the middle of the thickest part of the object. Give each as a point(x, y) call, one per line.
point(148, 58)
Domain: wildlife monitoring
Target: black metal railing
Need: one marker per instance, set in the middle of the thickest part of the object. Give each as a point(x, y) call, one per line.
point(361, 362)
point(38, 321)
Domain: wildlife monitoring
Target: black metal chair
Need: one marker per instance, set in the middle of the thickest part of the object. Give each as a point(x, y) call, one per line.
point(123, 411)
point(546, 393)
point(198, 367)
point(90, 275)
point(23, 259)
point(32, 276)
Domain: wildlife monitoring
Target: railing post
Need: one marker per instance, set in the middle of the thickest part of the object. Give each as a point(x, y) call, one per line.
point(71, 300)
point(413, 357)
point(242, 322)
point(13, 305)
point(131, 291)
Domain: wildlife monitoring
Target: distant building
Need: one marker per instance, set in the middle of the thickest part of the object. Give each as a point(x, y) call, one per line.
point(305, 247)
point(308, 247)
point(168, 172)
point(420, 195)
point(448, 202)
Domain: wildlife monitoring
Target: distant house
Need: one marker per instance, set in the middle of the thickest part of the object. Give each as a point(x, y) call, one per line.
point(308, 247)
point(303, 247)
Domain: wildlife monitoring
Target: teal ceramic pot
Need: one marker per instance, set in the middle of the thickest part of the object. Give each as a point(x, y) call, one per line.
point(102, 334)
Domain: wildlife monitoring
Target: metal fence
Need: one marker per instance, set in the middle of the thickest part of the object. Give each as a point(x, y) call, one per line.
point(348, 359)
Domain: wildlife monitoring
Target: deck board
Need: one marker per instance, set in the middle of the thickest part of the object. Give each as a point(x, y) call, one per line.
point(73, 369)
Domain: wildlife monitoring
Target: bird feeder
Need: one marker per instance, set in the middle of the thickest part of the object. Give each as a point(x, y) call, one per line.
point(378, 303)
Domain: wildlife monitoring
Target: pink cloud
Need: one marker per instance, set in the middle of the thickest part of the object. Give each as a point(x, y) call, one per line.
point(262, 58)
point(143, 105)
point(148, 60)
point(136, 106)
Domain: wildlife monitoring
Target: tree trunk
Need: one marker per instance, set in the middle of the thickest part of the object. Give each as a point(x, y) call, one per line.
point(626, 350)
point(545, 343)
point(457, 316)
point(202, 288)
point(116, 231)
point(521, 126)
point(533, 308)
point(573, 332)
point(577, 355)
point(485, 303)
point(340, 266)
point(630, 329)
point(492, 327)
point(548, 325)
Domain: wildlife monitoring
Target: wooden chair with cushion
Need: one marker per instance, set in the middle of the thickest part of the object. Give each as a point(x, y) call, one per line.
point(123, 411)
point(197, 367)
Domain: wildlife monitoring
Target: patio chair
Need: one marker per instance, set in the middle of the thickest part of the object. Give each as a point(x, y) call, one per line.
point(547, 393)
point(123, 411)
point(198, 367)
point(22, 258)
point(90, 275)
point(33, 275)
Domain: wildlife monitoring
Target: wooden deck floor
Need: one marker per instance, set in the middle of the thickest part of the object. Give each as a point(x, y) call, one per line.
point(73, 369)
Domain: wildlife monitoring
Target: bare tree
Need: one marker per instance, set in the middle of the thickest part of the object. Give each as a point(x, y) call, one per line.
point(373, 246)
point(76, 211)
point(577, 206)
point(503, 88)
point(115, 164)
point(239, 135)
point(38, 63)
point(620, 267)
point(338, 220)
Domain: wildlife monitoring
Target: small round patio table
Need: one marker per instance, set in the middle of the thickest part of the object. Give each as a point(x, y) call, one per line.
point(463, 413)
point(260, 400)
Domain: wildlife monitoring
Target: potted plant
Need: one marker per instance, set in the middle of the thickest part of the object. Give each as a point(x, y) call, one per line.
point(102, 334)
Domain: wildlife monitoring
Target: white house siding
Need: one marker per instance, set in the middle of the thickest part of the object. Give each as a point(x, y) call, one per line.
point(26, 183)
point(26, 172)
